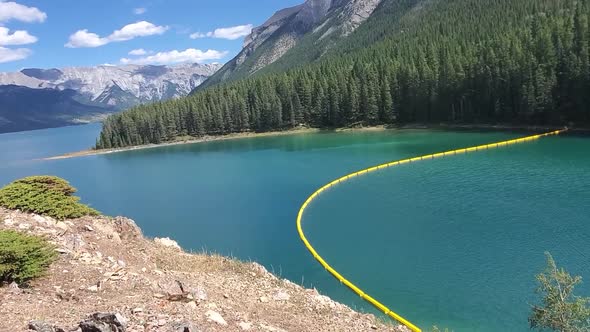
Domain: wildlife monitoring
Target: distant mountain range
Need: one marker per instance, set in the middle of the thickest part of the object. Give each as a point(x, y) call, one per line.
point(36, 98)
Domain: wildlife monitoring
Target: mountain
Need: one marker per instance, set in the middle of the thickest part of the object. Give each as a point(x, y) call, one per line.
point(314, 26)
point(118, 87)
point(515, 62)
point(23, 108)
point(101, 89)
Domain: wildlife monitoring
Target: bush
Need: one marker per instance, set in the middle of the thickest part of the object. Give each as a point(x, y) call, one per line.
point(560, 309)
point(23, 257)
point(45, 195)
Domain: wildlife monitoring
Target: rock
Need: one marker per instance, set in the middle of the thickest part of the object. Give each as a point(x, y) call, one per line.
point(244, 326)
point(167, 242)
point(93, 288)
point(104, 322)
point(282, 296)
point(259, 269)
point(137, 311)
point(215, 317)
point(62, 225)
point(199, 294)
point(263, 299)
point(374, 327)
point(24, 226)
point(211, 305)
point(191, 305)
point(8, 222)
point(88, 228)
point(182, 327)
point(271, 328)
point(41, 326)
point(73, 243)
point(47, 221)
point(225, 296)
point(13, 287)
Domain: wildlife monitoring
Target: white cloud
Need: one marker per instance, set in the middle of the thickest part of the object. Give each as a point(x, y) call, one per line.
point(14, 11)
point(175, 56)
point(19, 37)
point(231, 33)
point(139, 51)
point(198, 35)
point(139, 29)
point(83, 38)
point(8, 54)
point(139, 10)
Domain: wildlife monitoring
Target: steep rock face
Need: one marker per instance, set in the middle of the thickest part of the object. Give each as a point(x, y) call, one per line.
point(286, 28)
point(356, 12)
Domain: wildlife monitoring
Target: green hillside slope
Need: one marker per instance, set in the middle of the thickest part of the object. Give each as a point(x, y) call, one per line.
point(459, 61)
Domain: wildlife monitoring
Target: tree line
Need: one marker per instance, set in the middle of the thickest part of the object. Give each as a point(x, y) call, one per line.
point(461, 61)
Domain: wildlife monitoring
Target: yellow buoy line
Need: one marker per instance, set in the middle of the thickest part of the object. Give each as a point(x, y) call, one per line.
point(345, 178)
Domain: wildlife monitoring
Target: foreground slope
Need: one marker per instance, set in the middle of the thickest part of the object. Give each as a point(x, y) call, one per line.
point(106, 265)
point(517, 62)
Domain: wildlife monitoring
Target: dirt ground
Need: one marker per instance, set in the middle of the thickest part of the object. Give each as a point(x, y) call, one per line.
point(106, 265)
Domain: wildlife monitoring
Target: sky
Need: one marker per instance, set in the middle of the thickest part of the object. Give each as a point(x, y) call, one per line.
point(65, 33)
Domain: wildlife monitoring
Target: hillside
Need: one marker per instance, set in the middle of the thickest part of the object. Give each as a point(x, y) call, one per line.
point(517, 62)
point(106, 265)
point(296, 35)
point(23, 108)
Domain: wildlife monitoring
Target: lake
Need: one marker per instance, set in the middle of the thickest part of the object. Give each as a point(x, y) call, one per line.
point(454, 242)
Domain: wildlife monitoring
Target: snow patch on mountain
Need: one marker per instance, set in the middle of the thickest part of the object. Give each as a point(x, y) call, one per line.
point(117, 86)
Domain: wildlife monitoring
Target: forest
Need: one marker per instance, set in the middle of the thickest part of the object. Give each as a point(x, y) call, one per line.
point(457, 61)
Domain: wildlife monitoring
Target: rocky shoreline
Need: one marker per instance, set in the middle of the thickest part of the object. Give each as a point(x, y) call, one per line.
point(110, 278)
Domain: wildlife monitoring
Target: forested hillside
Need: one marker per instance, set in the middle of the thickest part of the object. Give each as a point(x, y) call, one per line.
point(456, 61)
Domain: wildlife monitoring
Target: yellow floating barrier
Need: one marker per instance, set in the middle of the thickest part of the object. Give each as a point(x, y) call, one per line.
point(343, 179)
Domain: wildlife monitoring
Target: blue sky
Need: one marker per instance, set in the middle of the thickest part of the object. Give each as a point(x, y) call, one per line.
point(60, 33)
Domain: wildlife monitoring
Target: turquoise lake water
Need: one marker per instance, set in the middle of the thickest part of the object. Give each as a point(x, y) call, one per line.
point(454, 242)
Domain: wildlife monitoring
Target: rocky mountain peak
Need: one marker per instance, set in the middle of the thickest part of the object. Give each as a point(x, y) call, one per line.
point(282, 31)
point(116, 86)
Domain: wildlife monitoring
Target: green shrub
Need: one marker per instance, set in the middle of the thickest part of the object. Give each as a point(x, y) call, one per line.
point(45, 195)
point(560, 309)
point(23, 257)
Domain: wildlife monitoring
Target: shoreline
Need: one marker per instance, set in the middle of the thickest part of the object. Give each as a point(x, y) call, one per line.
point(305, 130)
point(204, 139)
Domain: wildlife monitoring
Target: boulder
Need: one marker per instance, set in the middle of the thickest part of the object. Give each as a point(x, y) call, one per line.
point(215, 317)
point(182, 327)
point(41, 326)
point(104, 322)
point(167, 242)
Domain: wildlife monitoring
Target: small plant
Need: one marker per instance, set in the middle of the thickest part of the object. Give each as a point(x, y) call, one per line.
point(560, 310)
point(45, 195)
point(23, 257)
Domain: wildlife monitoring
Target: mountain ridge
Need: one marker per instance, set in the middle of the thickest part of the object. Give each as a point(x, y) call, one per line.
point(147, 83)
point(36, 98)
point(324, 20)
